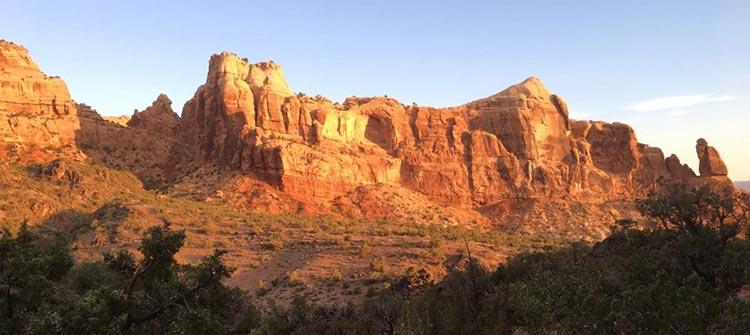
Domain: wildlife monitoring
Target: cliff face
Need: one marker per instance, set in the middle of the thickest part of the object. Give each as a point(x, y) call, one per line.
point(34, 108)
point(514, 159)
point(246, 118)
point(37, 111)
point(517, 143)
point(147, 144)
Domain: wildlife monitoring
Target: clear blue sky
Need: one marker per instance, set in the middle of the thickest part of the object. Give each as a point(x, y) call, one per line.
point(608, 59)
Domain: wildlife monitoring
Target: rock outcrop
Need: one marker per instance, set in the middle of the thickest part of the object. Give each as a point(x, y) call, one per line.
point(34, 108)
point(149, 144)
point(517, 144)
point(121, 120)
point(36, 111)
point(157, 118)
point(531, 122)
point(710, 161)
point(680, 172)
point(514, 160)
point(220, 120)
point(246, 118)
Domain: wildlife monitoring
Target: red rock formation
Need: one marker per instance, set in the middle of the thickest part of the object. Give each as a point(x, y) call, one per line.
point(121, 120)
point(528, 119)
point(34, 108)
point(37, 110)
point(245, 117)
point(614, 148)
point(517, 143)
point(710, 161)
point(158, 118)
point(514, 158)
point(680, 172)
point(149, 144)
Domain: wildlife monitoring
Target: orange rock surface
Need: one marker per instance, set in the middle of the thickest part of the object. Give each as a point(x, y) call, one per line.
point(148, 144)
point(711, 163)
point(514, 159)
point(34, 108)
point(514, 146)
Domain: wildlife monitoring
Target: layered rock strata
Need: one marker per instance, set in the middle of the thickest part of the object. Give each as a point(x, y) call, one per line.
point(34, 108)
point(510, 158)
point(519, 143)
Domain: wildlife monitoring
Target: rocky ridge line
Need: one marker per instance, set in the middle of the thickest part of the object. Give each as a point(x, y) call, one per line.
point(510, 159)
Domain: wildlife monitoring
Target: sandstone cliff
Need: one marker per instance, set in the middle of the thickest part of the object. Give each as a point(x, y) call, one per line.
point(34, 108)
point(519, 142)
point(511, 148)
point(514, 160)
point(148, 144)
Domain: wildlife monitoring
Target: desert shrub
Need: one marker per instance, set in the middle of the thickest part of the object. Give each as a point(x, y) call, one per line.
point(294, 278)
point(678, 277)
point(374, 277)
point(379, 264)
point(364, 249)
point(275, 244)
point(336, 275)
point(343, 244)
point(371, 292)
point(263, 288)
point(436, 248)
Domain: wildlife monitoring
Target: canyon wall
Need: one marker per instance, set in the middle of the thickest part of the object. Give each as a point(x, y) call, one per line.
point(34, 108)
point(517, 143)
point(513, 157)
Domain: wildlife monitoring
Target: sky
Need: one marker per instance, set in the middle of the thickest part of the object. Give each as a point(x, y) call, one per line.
point(675, 71)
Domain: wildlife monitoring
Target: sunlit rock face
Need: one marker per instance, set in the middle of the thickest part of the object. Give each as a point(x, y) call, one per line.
point(34, 108)
point(37, 111)
point(157, 118)
point(711, 163)
point(517, 143)
point(513, 160)
point(532, 123)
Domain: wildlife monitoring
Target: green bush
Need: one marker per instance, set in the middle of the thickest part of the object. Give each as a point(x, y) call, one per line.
point(121, 294)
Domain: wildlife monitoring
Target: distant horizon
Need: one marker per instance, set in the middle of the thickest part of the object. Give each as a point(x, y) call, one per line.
point(675, 71)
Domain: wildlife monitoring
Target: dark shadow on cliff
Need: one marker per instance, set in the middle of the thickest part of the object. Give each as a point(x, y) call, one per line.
point(74, 224)
point(152, 156)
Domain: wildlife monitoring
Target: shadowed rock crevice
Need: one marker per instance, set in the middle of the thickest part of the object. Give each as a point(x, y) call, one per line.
point(375, 132)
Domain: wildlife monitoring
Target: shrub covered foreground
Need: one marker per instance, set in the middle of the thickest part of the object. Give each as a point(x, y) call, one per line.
point(682, 275)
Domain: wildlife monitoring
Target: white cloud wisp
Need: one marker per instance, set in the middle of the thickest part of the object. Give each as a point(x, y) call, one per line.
point(674, 102)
